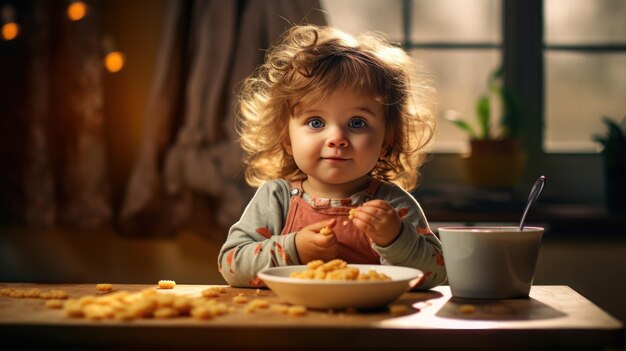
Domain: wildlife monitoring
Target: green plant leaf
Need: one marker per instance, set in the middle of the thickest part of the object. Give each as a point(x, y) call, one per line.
point(461, 123)
point(483, 110)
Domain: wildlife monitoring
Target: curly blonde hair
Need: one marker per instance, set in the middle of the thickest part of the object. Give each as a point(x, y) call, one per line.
point(312, 62)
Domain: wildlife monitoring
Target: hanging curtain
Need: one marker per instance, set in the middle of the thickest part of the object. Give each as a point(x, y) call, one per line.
point(189, 170)
point(62, 158)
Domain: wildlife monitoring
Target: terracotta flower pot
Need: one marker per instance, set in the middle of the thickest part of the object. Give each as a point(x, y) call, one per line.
point(494, 164)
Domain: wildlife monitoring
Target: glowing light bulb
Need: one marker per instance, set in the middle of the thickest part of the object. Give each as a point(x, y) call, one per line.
point(76, 10)
point(114, 61)
point(10, 31)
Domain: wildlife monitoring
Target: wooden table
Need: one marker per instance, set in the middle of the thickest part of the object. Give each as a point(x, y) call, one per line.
point(553, 317)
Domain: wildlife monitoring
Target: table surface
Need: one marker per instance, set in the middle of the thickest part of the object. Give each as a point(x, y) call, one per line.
point(553, 316)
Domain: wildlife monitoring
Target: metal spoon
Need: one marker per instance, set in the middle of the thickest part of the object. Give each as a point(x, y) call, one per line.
point(534, 194)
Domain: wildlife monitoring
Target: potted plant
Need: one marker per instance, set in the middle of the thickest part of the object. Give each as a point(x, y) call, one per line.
point(614, 158)
point(495, 159)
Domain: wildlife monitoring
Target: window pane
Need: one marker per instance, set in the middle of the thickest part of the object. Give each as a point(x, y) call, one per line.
point(461, 78)
point(585, 21)
point(580, 89)
point(456, 21)
point(356, 16)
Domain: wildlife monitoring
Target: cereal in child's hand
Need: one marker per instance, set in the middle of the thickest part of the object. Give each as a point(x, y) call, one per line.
point(326, 230)
point(167, 284)
point(352, 213)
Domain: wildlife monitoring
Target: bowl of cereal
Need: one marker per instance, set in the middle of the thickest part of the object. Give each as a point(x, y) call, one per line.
point(336, 284)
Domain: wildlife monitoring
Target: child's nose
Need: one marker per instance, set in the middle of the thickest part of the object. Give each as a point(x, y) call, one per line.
point(337, 138)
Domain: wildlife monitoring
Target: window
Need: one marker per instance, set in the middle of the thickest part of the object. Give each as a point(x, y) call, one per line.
point(585, 71)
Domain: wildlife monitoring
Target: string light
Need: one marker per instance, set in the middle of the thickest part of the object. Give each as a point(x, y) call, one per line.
point(10, 29)
point(77, 10)
point(114, 60)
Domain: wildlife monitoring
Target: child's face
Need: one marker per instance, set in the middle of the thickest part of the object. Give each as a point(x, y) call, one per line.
point(337, 140)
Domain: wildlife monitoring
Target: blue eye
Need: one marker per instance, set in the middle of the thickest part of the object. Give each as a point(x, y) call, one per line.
point(315, 123)
point(357, 123)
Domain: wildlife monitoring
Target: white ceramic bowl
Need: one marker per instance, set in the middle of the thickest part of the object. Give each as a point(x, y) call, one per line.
point(490, 262)
point(323, 294)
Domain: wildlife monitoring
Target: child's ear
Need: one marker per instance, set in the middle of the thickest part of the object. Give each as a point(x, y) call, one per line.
point(287, 146)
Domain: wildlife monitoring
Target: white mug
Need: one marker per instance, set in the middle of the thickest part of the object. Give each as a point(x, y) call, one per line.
point(490, 262)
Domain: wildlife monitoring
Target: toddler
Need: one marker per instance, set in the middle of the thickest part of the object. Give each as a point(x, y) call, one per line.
point(334, 129)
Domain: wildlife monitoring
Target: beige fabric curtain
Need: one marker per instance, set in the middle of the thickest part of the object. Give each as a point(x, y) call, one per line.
point(189, 169)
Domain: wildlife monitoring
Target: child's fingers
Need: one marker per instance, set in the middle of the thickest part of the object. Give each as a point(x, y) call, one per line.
point(325, 241)
point(319, 225)
point(374, 212)
point(381, 204)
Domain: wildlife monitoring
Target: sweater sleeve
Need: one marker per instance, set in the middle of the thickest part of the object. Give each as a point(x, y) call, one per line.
point(254, 242)
point(416, 246)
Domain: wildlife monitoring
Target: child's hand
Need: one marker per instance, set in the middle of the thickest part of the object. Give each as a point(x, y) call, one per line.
point(312, 245)
point(379, 221)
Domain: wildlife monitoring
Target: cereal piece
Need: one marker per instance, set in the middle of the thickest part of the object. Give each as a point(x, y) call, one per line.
point(143, 307)
point(279, 308)
point(73, 308)
point(104, 287)
point(326, 231)
point(467, 309)
point(34, 292)
point(202, 312)
point(98, 312)
point(398, 309)
point(54, 303)
point(240, 299)
point(255, 305)
point(209, 310)
point(167, 284)
point(165, 300)
point(314, 264)
point(165, 312)
point(16, 293)
point(296, 310)
point(183, 305)
point(352, 213)
point(58, 294)
point(211, 292)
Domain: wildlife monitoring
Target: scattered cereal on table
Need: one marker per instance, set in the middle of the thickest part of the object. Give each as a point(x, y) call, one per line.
point(104, 287)
point(211, 292)
point(58, 294)
point(54, 303)
point(165, 312)
point(167, 284)
point(296, 310)
point(34, 292)
point(240, 299)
